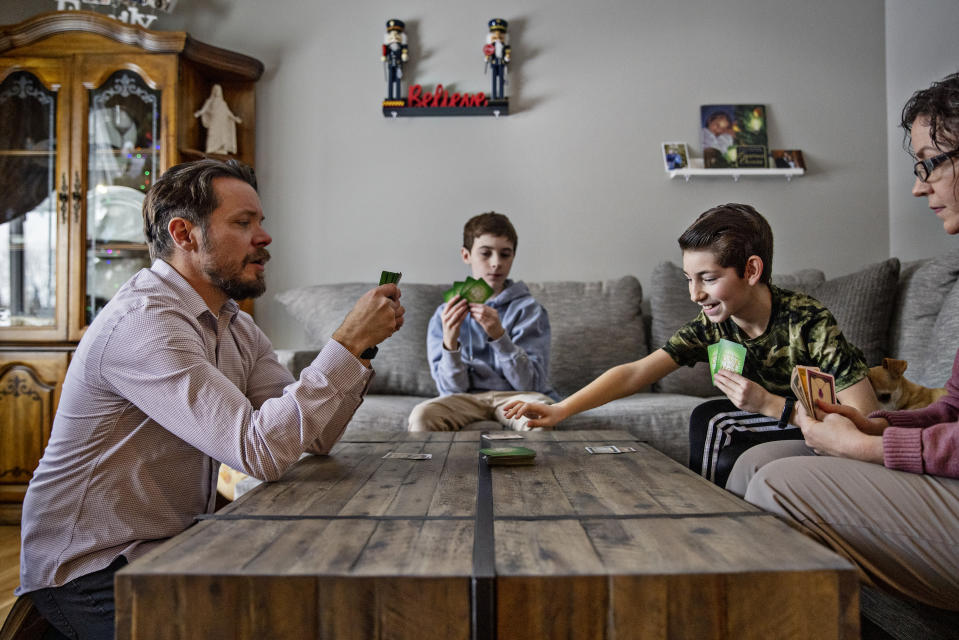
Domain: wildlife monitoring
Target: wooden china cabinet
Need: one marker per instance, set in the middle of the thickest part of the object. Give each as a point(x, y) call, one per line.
point(91, 111)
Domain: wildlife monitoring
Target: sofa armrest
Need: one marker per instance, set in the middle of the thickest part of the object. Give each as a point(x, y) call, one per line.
point(296, 359)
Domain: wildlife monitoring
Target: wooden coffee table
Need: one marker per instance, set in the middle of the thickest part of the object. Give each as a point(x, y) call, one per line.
point(352, 545)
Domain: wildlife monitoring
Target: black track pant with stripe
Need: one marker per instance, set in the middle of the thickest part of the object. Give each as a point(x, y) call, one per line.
point(719, 433)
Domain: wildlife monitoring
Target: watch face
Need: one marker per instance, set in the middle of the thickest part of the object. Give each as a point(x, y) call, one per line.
point(370, 353)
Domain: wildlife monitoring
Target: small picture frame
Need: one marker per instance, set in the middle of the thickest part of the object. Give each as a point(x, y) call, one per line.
point(787, 159)
point(675, 155)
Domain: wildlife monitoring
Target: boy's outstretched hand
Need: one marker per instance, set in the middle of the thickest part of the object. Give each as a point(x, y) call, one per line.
point(539, 414)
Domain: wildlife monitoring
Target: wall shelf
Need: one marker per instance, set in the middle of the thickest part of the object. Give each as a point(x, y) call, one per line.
point(688, 173)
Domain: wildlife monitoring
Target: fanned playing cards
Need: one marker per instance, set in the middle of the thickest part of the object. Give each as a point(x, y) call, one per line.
point(810, 384)
point(471, 289)
point(726, 354)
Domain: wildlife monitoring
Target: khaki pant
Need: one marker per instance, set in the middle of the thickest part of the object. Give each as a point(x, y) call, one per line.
point(453, 412)
point(900, 529)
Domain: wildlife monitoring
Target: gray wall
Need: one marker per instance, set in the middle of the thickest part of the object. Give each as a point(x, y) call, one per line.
point(921, 47)
point(596, 87)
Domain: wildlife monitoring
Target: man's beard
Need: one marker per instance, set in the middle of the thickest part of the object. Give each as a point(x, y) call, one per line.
point(228, 281)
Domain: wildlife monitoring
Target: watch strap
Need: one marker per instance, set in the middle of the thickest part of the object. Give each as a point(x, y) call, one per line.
point(369, 353)
point(787, 412)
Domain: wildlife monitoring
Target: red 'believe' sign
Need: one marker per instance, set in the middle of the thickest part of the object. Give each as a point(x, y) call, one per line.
point(441, 98)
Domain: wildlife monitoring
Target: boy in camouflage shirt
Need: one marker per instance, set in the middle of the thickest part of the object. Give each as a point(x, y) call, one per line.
point(727, 259)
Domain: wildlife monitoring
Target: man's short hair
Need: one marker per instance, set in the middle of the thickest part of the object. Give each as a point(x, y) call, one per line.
point(186, 191)
point(493, 223)
point(732, 232)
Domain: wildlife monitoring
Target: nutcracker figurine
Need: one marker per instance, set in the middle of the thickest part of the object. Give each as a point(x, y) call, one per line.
point(497, 56)
point(395, 53)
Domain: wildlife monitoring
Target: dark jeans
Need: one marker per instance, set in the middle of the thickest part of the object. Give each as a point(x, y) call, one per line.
point(719, 433)
point(82, 609)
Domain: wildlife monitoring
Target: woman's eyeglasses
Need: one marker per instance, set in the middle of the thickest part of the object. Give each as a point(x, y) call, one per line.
point(923, 168)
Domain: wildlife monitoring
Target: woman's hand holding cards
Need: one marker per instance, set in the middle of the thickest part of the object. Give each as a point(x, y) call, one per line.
point(843, 432)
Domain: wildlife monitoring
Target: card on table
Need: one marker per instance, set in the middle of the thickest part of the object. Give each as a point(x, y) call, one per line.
point(507, 455)
point(396, 455)
point(610, 448)
point(726, 354)
point(502, 435)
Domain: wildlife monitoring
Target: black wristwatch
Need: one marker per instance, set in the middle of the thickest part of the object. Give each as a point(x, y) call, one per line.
point(787, 411)
point(370, 353)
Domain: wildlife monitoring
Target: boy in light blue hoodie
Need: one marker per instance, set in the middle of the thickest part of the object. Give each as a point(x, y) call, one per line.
point(483, 356)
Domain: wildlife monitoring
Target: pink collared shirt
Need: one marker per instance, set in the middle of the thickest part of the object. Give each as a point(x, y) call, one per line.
point(159, 390)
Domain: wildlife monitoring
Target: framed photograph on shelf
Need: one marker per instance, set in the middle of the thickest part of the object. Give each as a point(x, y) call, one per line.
point(787, 159)
point(727, 129)
point(675, 155)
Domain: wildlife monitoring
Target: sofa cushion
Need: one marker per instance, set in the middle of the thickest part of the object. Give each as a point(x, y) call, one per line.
point(672, 308)
point(862, 303)
point(923, 331)
point(594, 325)
point(401, 365)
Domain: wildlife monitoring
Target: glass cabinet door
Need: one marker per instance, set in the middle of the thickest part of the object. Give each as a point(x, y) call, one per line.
point(123, 159)
point(33, 214)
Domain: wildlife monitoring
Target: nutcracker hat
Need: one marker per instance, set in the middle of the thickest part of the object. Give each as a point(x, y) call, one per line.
point(395, 25)
point(498, 24)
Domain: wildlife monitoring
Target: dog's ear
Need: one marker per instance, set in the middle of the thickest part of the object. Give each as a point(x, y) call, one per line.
point(895, 367)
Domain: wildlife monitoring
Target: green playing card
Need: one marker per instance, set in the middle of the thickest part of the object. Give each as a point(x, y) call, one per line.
point(390, 277)
point(508, 455)
point(453, 291)
point(712, 351)
point(727, 355)
point(476, 291)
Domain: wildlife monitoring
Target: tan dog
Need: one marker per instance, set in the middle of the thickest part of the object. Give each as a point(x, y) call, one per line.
point(895, 392)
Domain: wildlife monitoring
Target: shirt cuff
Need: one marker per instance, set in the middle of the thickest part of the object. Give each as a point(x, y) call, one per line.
point(896, 418)
point(902, 449)
point(454, 357)
point(504, 345)
point(341, 367)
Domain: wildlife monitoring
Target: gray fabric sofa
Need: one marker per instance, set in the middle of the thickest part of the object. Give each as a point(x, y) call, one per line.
point(908, 311)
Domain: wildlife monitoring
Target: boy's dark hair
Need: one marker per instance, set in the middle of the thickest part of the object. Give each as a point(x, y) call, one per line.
point(186, 191)
point(939, 103)
point(732, 232)
point(490, 222)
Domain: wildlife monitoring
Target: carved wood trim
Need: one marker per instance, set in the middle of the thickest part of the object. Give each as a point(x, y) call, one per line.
point(44, 25)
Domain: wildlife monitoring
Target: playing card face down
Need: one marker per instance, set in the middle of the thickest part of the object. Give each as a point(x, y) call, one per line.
point(508, 455)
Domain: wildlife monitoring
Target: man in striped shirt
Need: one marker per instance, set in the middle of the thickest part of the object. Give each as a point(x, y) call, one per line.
point(171, 379)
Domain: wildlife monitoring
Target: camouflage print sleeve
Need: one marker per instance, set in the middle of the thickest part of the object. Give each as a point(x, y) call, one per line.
point(831, 352)
point(688, 345)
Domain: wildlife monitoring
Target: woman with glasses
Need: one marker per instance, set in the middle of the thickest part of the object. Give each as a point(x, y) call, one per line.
point(883, 490)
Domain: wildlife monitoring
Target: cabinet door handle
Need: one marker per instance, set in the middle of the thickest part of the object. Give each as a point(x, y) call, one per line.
point(77, 195)
point(63, 199)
